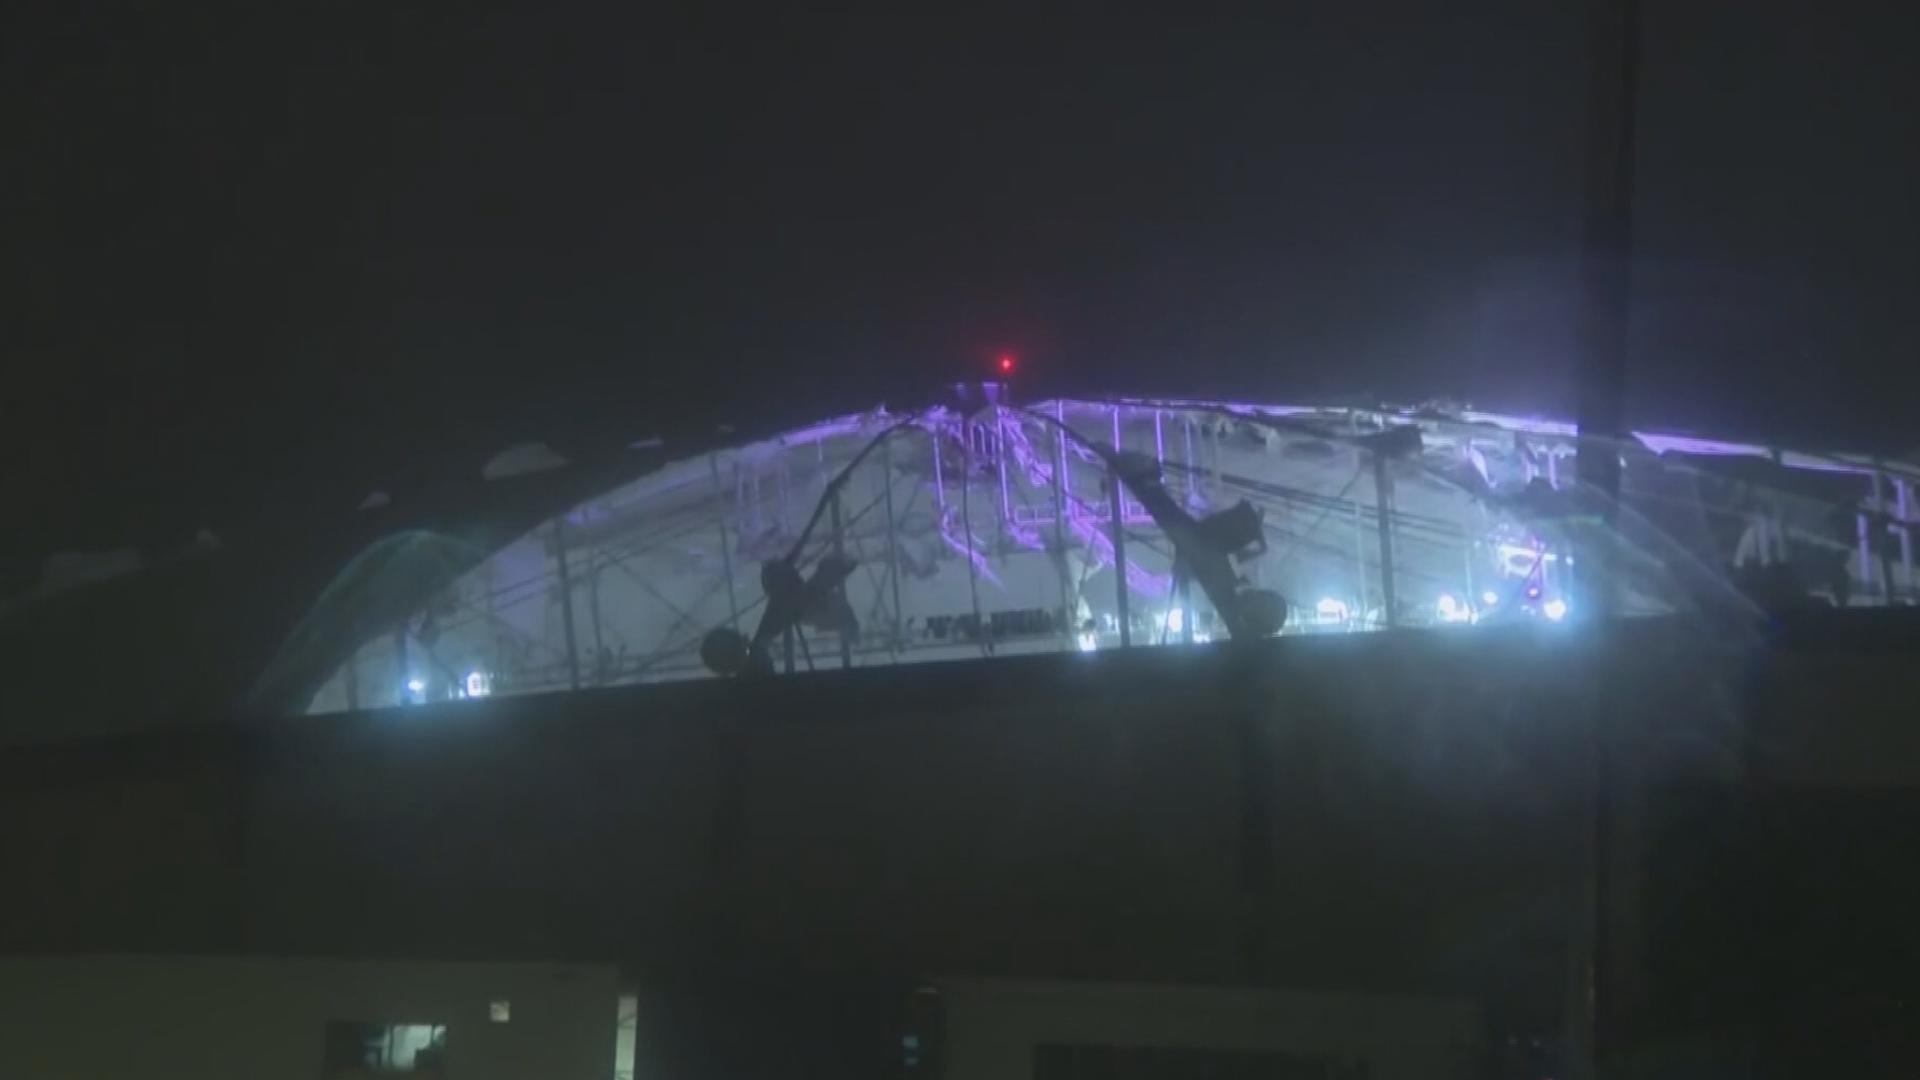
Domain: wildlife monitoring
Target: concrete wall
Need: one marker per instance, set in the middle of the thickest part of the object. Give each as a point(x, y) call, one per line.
point(114, 1018)
point(1390, 813)
point(1101, 816)
point(992, 1026)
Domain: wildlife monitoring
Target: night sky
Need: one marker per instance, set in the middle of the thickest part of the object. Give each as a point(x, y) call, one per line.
point(256, 261)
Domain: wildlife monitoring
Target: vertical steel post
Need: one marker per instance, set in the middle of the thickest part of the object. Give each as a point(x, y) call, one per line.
point(1193, 471)
point(1116, 429)
point(966, 522)
point(1067, 630)
point(1006, 500)
point(1159, 442)
point(400, 663)
point(1886, 564)
point(1118, 502)
point(893, 545)
point(1219, 466)
point(1359, 530)
point(726, 544)
point(939, 480)
point(1383, 495)
point(1902, 490)
point(1613, 48)
point(1060, 418)
point(593, 612)
point(840, 552)
point(566, 599)
point(1865, 553)
point(1606, 281)
point(786, 490)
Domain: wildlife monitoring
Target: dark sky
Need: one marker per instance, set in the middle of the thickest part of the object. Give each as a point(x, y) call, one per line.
point(255, 260)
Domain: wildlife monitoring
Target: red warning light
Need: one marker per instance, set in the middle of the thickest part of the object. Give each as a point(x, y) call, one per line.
point(1006, 363)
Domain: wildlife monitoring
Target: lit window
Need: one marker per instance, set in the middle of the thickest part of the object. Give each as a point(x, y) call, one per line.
point(625, 1036)
point(354, 1049)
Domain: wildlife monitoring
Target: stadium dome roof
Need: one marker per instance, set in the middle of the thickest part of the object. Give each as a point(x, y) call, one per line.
point(980, 528)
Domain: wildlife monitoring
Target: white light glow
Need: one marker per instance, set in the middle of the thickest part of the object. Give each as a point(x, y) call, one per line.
point(1521, 558)
point(417, 685)
point(1088, 642)
point(1451, 609)
point(1329, 608)
point(1176, 619)
point(1489, 598)
point(1555, 609)
point(479, 684)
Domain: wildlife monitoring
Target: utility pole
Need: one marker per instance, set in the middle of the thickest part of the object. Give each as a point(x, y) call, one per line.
point(1606, 278)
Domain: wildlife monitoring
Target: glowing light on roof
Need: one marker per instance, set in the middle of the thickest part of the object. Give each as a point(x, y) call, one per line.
point(1555, 609)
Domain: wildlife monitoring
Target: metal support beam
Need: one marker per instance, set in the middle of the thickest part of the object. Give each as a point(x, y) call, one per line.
point(1006, 497)
point(1607, 283)
point(566, 599)
point(1613, 50)
point(1903, 495)
point(1193, 471)
point(840, 552)
point(1886, 562)
point(594, 567)
point(1060, 434)
point(894, 635)
point(1067, 610)
point(1383, 496)
point(939, 480)
point(1118, 501)
point(966, 523)
point(1865, 554)
point(1359, 552)
point(726, 543)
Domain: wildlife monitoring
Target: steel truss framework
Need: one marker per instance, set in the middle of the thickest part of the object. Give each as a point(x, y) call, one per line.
point(993, 532)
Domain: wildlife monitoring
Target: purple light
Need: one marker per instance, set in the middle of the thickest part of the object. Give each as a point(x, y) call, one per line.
point(1685, 444)
point(1816, 463)
point(973, 552)
point(1533, 425)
